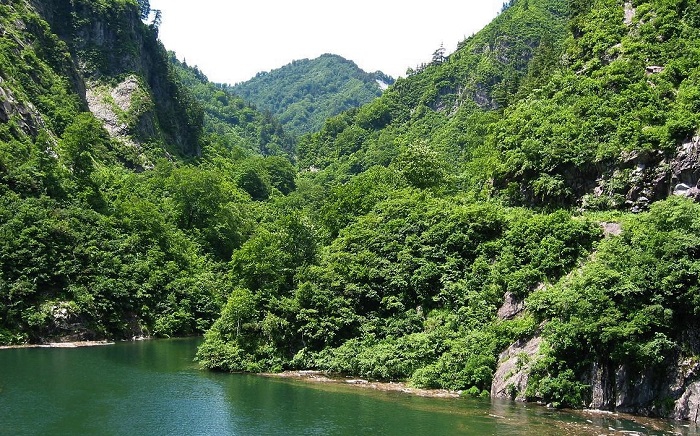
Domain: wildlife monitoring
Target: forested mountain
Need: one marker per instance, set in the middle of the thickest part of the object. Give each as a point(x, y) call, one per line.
point(229, 119)
point(306, 92)
point(459, 236)
point(118, 210)
point(516, 219)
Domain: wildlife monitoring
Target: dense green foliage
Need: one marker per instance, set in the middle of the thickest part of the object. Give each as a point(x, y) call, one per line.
point(406, 291)
point(634, 304)
point(624, 90)
point(410, 201)
point(303, 94)
point(90, 248)
point(231, 121)
point(450, 104)
point(388, 252)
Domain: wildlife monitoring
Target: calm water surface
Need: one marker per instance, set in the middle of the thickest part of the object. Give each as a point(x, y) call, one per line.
point(154, 388)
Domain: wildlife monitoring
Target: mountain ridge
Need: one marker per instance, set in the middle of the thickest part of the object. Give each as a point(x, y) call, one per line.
point(303, 93)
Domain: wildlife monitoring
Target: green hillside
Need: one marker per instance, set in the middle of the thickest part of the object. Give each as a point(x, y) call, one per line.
point(516, 219)
point(304, 93)
point(456, 217)
point(118, 210)
point(230, 120)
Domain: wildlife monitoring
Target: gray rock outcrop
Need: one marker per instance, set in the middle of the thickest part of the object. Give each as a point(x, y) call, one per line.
point(511, 307)
point(648, 176)
point(673, 392)
point(688, 405)
point(23, 113)
point(513, 370)
point(602, 388)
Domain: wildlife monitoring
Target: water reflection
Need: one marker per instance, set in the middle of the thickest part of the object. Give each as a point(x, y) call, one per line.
point(154, 388)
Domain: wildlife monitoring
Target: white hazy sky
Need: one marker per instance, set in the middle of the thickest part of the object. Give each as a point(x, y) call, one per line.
point(232, 40)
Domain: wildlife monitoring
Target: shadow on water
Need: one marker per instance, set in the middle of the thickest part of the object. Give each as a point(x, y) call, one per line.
point(154, 388)
point(354, 410)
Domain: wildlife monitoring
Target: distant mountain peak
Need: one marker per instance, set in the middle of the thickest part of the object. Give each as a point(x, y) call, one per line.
point(306, 92)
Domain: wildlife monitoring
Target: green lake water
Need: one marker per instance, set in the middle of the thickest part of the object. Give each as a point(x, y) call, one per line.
point(154, 388)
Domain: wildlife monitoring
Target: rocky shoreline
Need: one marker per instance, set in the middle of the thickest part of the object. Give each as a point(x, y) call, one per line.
point(590, 415)
point(323, 377)
point(76, 344)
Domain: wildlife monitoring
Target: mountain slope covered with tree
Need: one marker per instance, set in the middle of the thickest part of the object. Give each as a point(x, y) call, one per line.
point(516, 219)
point(117, 211)
point(304, 93)
point(496, 198)
point(231, 120)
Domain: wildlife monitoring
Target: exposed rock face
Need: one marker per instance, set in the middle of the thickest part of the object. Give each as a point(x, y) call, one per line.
point(640, 393)
point(26, 115)
point(511, 307)
point(611, 229)
point(105, 47)
point(688, 405)
point(677, 175)
point(602, 387)
point(66, 324)
point(103, 110)
point(630, 12)
point(646, 178)
point(513, 371)
point(650, 176)
point(685, 169)
point(118, 109)
point(674, 393)
point(654, 69)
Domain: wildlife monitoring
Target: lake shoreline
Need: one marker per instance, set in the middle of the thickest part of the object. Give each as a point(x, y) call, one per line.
point(315, 376)
point(74, 344)
point(324, 377)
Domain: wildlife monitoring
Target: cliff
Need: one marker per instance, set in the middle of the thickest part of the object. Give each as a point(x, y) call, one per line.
point(104, 230)
point(619, 332)
point(113, 62)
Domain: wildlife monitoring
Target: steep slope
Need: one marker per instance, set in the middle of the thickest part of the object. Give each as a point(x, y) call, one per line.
point(303, 94)
point(449, 232)
point(449, 104)
point(616, 125)
point(111, 225)
point(592, 107)
point(229, 119)
point(126, 77)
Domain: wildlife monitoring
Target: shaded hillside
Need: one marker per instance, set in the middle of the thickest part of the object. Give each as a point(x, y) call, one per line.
point(303, 94)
